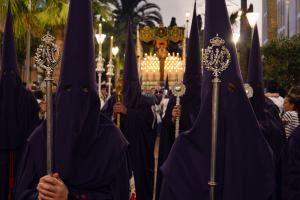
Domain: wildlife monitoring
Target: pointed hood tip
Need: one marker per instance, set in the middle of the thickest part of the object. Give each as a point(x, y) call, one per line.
point(130, 71)
point(193, 60)
point(78, 63)
point(9, 53)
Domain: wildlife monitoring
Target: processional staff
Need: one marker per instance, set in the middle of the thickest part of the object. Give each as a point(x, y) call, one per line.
point(216, 60)
point(100, 61)
point(178, 90)
point(119, 98)
point(45, 59)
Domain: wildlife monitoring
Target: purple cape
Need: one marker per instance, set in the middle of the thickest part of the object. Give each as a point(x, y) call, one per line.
point(190, 102)
point(290, 167)
point(265, 110)
point(84, 140)
point(245, 167)
point(18, 111)
point(109, 181)
point(139, 125)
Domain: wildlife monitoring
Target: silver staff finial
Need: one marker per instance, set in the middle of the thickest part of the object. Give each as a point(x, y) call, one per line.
point(178, 89)
point(48, 57)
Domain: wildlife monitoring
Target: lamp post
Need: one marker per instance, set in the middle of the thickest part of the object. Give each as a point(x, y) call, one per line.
point(236, 37)
point(187, 14)
point(100, 38)
point(252, 19)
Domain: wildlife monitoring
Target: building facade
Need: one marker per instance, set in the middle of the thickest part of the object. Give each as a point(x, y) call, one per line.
point(288, 19)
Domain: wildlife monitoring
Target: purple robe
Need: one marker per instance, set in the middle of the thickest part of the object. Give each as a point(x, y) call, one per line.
point(139, 124)
point(18, 113)
point(265, 110)
point(290, 167)
point(245, 164)
point(89, 151)
point(137, 127)
point(114, 173)
point(190, 102)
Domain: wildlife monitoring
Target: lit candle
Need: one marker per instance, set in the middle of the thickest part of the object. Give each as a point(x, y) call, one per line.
point(100, 33)
point(111, 46)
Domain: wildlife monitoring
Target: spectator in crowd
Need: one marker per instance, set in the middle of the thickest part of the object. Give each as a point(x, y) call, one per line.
point(282, 92)
point(103, 96)
point(24, 83)
point(295, 89)
point(39, 95)
point(149, 93)
point(35, 86)
point(274, 96)
point(164, 102)
point(290, 118)
point(54, 88)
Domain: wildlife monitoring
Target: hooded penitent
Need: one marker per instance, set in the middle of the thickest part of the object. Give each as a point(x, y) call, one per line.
point(244, 163)
point(131, 87)
point(190, 102)
point(84, 139)
point(138, 125)
point(18, 111)
point(290, 167)
point(265, 110)
point(167, 83)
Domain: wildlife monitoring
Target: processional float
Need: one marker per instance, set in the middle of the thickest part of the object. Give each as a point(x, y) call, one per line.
point(47, 57)
point(216, 59)
point(154, 68)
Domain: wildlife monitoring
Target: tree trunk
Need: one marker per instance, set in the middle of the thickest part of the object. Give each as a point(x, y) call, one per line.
point(272, 19)
point(243, 41)
point(60, 35)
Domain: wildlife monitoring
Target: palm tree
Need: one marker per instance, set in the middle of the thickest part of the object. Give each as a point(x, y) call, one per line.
point(272, 19)
point(243, 40)
point(53, 14)
point(140, 12)
point(22, 18)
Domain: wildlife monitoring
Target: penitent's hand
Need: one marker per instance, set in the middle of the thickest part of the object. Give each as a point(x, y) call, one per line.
point(119, 108)
point(52, 188)
point(176, 113)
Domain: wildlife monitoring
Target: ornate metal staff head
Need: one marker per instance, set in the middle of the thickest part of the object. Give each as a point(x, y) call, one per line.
point(249, 90)
point(178, 89)
point(215, 59)
point(45, 55)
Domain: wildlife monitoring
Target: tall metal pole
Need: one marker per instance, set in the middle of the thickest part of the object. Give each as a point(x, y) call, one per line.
point(45, 58)
point(217, 59)
point(28, 50)
point(215, 109)
point(49, 82)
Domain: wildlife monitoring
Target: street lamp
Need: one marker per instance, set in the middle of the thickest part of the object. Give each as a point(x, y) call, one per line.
point(187, 14)
point(115, 50)
point(102, 38)
point(252, 18)
point(236, 37)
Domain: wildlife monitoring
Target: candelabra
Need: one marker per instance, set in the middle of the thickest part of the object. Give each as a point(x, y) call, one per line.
point(100, 70)
point(110, 74)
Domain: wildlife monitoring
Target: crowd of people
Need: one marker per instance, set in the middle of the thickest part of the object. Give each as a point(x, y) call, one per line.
point(103, 148)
